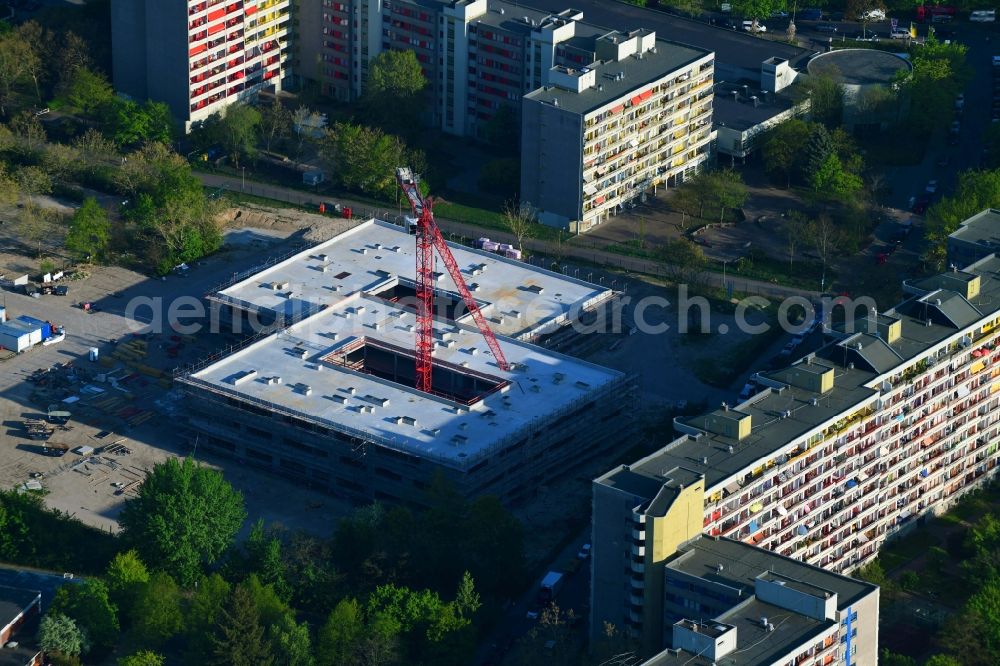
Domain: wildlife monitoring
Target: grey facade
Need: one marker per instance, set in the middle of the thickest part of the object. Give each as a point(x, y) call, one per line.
point(549, 135)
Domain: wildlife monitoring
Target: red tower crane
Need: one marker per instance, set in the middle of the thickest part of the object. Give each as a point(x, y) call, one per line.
point(428, 238)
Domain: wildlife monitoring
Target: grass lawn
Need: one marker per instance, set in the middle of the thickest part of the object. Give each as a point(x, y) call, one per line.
point(899, 552)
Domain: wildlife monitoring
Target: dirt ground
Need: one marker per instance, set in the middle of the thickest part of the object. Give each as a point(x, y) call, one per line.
point(123, 403)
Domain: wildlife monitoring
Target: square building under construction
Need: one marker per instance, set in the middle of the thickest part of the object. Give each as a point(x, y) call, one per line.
point(328, 395)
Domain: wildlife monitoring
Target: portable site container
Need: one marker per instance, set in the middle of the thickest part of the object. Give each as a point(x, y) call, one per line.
point(44, 327)
point(3, 314)
point(16, 336)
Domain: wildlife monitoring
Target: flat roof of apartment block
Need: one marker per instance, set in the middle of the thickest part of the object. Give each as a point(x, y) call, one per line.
point(379, 258)
point(617, 79)
point(351, 368)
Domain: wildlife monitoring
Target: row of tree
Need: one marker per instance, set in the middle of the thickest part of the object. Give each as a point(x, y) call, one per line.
point(808, 154)
point(390, 586)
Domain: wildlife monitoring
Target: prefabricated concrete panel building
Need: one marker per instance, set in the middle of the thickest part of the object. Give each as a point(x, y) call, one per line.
point(330, 400)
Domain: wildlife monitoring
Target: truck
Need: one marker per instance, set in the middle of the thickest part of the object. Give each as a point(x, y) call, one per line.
point(550, 586)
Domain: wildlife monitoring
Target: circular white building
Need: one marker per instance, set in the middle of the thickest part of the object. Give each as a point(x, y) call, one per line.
point(867, 77)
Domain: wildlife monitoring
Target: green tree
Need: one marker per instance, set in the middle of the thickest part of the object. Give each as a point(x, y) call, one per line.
point(89, 230)
point(338, 640)
point(8, 187)
point(239, 637)
point(887, 658)
point(170, 218)
point(943, 660)
point(819, 148)
point(204, 609)
point(157, 613)
point(39, 40)
point(826, 99)
point(90, 606)
point(758, 10)
point(95, 151)
point(730, 191)
point(17, 61)
point(290, 642)
point(262, 556)
point(467, 600)
point(394, 92)
point(239, 131)
point(910, 580)
point(29, 135)
point(142, 658)
point(131, 123)
point(364, 159)
point(60, 633)
point(88, 91)
point(184, 517)
point(126, 575)
point(784, 148)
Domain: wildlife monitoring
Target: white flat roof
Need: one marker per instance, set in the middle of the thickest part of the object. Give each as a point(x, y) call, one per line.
point(367, 257)
point(541, 384)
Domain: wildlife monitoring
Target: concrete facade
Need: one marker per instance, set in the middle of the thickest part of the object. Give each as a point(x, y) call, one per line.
point(894, 417)
point(198, 56)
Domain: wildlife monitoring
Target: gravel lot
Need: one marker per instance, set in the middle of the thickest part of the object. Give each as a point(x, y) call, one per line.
point(136, 409)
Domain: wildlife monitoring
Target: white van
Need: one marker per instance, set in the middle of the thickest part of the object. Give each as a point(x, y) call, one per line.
point(900, 33)
point(983, 16)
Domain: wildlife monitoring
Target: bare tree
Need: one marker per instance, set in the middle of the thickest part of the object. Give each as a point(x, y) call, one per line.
point(793, 234)
point(823, 233)
point(518, 218)
point(877, 184)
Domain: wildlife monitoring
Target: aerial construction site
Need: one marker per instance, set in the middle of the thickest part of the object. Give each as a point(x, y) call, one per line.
point(378, 373)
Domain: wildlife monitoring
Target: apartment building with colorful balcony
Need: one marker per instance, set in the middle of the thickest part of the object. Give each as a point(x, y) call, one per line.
point(198, 56)
point(895, 416)
point(598, 137)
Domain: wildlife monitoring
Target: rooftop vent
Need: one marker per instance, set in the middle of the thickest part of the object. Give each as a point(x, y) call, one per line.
point(242, 377)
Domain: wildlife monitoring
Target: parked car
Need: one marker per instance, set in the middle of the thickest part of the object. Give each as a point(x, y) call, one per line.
point(932, 186)
point(956, 127)
point(779, 14)
point(872, 15)
point(811, 14)
point(960, 101)
point(748, 27)
point(584, 552)
point(826, 27)
point(900, 33)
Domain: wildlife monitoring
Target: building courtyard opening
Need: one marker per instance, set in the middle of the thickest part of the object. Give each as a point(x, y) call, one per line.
point(398, 365)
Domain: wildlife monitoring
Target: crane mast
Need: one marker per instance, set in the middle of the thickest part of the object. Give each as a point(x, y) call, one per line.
point(429, 238)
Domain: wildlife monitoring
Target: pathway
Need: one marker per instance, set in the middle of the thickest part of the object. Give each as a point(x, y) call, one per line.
point(570, 250)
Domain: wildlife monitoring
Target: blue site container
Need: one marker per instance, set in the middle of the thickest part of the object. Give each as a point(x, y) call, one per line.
point(38, 323)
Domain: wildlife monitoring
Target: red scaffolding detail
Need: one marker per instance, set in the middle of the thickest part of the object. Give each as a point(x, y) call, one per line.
point(428, 238)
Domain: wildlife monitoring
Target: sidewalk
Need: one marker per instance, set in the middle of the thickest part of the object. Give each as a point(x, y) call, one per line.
point(463, 232)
